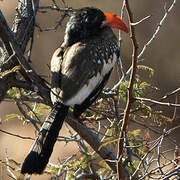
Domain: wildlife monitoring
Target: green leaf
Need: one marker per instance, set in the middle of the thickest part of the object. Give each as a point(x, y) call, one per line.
point(14, 93)
point(14, 69)
point(108, 141)
point(146, 68)
point(11, 116)
point(105, 167)
point(38, 111)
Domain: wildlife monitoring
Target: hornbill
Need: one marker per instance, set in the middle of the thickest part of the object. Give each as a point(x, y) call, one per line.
point(80, 69)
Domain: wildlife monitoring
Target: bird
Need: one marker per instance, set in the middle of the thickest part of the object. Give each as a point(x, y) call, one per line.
point(80, 68)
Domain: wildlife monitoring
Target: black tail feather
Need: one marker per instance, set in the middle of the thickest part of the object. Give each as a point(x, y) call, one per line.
point(42, 148)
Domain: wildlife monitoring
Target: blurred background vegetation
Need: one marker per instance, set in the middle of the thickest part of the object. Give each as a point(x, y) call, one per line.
point(162, 56)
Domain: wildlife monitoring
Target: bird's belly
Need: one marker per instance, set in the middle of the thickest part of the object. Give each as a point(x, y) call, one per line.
point(85, 91)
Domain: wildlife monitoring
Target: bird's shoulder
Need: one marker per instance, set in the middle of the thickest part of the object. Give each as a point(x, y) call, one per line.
point(90, 52)
point(57, 59)
point(78, 61)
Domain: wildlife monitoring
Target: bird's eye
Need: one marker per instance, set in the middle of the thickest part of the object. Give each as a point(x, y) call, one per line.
point(91, 19)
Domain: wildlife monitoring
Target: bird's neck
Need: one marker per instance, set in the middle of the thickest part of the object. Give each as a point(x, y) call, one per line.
point(76, 34)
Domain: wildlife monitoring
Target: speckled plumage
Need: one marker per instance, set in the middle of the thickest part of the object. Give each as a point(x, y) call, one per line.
point(80, 68)
point(82, 62)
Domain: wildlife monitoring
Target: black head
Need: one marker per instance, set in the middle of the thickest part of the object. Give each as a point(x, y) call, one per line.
point(83, 23)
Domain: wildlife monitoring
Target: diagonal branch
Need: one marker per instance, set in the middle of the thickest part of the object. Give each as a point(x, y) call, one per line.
point(38, 83)
point(15, 135)
point(21, 33)
point(93, 140)
point(157, 30)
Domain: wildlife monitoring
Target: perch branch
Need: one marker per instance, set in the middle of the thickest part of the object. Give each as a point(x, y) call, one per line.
point(93, 140)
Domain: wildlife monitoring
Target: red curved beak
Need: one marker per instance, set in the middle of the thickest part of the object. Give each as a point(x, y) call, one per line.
point(115, 21)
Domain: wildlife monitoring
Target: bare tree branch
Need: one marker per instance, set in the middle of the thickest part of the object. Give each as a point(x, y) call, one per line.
point(16, 135)
point(139, 57)
point(93, 140)
point(157, 102)
point(130, 98)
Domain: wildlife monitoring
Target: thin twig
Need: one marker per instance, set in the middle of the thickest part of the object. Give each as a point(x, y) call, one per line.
point(157, 102)
point(159, 154)
point(16, 135)
point(54, 28)
point(8, 167)
point(32, 120)
point(157, 30)
point(139, 57)
point(140, 21)
point(69, 9)
point(170, 93)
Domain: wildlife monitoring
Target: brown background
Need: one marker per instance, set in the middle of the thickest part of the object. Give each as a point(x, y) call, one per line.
point(162, 56)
